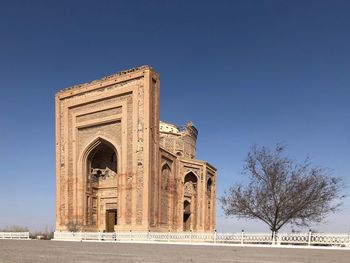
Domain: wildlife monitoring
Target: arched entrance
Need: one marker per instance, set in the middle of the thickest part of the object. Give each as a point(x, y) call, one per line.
point(101, 186)
point(190, 201)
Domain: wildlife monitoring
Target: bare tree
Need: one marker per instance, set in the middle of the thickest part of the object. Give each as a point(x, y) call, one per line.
point(15, 228)
point(281, 192)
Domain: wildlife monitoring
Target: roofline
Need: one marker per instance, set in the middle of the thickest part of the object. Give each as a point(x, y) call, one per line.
point(189, 160)
point(121, 76)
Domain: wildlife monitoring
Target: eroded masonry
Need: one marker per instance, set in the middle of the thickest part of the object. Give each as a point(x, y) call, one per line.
point(118, 167)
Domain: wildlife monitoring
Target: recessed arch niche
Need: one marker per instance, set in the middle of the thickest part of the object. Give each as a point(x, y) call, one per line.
point(101, 167)
point(190, 201)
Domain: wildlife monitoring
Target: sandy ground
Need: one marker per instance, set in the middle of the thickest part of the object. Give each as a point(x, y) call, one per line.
point(56, 251)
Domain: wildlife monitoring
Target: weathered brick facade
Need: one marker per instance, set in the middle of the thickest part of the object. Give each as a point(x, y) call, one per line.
point(119, 168)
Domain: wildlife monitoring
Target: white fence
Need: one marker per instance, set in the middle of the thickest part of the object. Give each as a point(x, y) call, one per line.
point(14, 235)
point(306, 239)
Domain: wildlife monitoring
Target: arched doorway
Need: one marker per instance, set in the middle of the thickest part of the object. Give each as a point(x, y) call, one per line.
point(101, 186)
point(190, 201)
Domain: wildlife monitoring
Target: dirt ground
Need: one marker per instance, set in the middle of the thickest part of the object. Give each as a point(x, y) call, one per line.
point(55, 251)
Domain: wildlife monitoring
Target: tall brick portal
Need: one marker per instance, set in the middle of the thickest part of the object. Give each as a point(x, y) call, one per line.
point(119, 168)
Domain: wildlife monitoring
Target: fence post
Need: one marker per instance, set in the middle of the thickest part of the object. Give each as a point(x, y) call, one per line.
point(242, 237)
point(130, 235)
point(215, 236)
point(169, 235)
point(309, 238)
point(278, 239)
point(191, 236)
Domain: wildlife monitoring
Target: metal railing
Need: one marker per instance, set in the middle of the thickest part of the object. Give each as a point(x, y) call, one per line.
point(300, 239)
point(14, 235)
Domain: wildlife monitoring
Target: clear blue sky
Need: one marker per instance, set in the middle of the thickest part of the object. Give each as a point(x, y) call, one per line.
point(244, 72)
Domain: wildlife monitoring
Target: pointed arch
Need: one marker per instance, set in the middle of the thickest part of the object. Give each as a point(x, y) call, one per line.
point(191, 179)
point(96, 161)
point(190, 201)
point(94, 143)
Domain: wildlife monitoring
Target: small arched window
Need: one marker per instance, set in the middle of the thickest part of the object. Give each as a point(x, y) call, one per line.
point(190, 184)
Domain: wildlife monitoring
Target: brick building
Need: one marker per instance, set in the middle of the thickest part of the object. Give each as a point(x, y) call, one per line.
point(118, 167)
